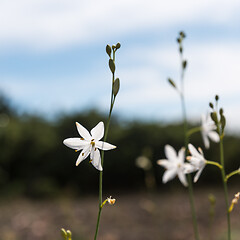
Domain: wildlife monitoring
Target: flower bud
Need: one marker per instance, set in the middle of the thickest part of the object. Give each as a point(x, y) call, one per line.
point(111, 65)
point(108, 50)
point(216, 97)
point(172, 82)
point(182, 34)
point(214, 117)
point(221, 111)
point(118, 45)
point(211, 105)
point(184, 64)
point(223, 122)
point(180, 49)
point(116, 86)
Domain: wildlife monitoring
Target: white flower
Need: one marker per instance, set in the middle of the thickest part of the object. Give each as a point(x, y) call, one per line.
point(207, 130)
point(89, 144)
point(197, 161)
point(174, 165)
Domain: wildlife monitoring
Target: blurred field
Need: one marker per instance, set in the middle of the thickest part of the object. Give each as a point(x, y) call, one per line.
point(161, 215)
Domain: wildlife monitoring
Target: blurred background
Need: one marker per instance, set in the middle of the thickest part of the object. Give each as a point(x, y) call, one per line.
point(54, 72)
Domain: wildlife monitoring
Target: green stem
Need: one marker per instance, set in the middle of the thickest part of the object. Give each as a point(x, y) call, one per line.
point(102, 155)
point(193, 130)
point(214, 163)
point(186, 140)
point(225, 185)
point(232, 174)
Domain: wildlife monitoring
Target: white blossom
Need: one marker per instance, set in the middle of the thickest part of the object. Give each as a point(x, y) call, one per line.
point(89, 144)
point(174, 165)
point(208, 130)
point(197, 161)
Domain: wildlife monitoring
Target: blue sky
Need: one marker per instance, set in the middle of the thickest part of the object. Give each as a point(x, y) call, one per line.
point(52, 56)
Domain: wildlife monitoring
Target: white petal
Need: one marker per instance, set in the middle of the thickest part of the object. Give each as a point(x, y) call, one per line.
point(194, 152)
point(205, 140)
point(98, 131)
point(196, 177)
point(83, 155)
point(214, 136)
point(195, 161)
point(75, 143)
point(165, 163)
point(181, 155)
point(169, 175)
point(104, 145)
point(189, 168)
point(83, 132)
point(182, 178)
point(170, 153)
point(96, 159)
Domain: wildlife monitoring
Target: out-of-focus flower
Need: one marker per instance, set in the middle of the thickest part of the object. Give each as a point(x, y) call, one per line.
point(208, 130)
point(144, 163)
point(174, 165)
point(234, 201)
point(89, 144)
point(111, 200)
point(197, 161)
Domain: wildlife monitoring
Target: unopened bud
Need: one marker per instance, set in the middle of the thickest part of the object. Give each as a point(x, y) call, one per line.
point(214, 117)
point(180, 49)
point(216, 97)
point(113, 46)
point(182, 34)
point(184, 64)
point(108, 50)
point(111, 65)
point(223, 122)
point(116, 86)
point(172, 82)
point(211, 105)
point(221, 111)
point(212, 199)
point(118, 45)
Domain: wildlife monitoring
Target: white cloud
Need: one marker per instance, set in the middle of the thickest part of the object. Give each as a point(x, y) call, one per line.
point(51, 24)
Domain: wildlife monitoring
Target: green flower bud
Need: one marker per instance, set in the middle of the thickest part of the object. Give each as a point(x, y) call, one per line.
point(223, 122)
point(116, 86)
point(118, 45)
point(111, 65)
point(211, 105)
point(184, 64)
point(178, 40)
point(182, 34)
point(113, 46)
point(108, 50)
point(216, 97)
point(221, 111)
point(172, 82)
point(214, 117)
point(180, 49)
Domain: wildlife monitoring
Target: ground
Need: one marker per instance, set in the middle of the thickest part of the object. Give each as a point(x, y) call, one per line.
point(135, 216)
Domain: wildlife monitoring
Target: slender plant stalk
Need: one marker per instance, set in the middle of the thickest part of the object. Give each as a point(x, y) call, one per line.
point(186, 141)
point(232, 174)
point(102, 155)
point(225, 187)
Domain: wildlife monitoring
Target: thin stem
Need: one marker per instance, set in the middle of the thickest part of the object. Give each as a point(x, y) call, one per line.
point(193, 130)
point(102, 153)
point(186, 140)
point(214, 163)
point(224, 180)
point(232, 174)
